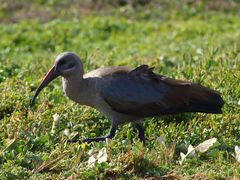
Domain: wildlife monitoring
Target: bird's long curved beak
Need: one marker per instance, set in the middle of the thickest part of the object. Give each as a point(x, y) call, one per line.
point(51, 75)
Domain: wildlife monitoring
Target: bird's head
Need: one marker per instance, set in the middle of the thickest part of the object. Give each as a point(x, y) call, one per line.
point(67, 64)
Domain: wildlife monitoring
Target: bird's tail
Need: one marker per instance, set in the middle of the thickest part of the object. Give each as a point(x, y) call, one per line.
point(202, 99)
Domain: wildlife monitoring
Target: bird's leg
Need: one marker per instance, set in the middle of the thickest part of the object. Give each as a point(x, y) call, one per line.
point(141, 130)
point(110, 135)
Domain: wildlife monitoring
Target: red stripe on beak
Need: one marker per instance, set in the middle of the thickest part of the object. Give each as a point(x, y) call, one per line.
point(51, 75)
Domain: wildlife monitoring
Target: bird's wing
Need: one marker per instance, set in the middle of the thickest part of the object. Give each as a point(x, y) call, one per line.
point(142, 93)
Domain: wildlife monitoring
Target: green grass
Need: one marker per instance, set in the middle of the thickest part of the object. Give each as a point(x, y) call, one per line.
point(199, 46)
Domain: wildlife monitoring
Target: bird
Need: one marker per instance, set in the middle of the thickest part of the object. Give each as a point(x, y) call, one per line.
point(125, 94)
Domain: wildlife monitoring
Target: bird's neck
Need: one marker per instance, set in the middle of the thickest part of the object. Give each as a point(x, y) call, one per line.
point(79, 89)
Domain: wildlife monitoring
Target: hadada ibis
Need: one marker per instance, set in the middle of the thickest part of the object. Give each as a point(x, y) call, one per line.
point(129, 95)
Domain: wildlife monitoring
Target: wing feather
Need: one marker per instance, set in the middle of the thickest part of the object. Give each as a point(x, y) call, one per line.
point(143, 93)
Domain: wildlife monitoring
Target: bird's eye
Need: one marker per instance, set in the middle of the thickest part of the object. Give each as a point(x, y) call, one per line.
point(71, 65)
point(62, 62)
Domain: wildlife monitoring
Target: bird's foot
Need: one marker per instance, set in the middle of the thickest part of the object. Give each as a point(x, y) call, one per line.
point(89, 140)
point(141, 130)
point(73, 140)
point(141, 137)
point(96, 139)
point(110, 135)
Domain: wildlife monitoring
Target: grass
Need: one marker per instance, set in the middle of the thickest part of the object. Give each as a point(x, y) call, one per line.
point(201, 46)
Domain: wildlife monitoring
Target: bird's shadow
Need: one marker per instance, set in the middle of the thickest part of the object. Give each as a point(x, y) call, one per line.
point(178, 118)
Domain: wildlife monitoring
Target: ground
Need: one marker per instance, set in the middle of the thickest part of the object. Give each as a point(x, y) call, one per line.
point(198, 42)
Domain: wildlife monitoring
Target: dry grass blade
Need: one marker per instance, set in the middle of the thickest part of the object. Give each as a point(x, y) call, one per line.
point(9, 143)
point(168, 152)
point(48, 165)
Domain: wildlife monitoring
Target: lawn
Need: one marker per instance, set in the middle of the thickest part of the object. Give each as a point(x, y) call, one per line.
point(188, 42)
